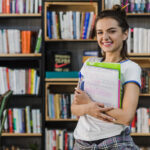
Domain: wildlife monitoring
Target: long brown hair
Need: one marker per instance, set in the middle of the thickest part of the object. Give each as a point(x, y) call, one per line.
point(119, 14)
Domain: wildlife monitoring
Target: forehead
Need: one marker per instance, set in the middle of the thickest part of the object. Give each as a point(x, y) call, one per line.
point(107, 23)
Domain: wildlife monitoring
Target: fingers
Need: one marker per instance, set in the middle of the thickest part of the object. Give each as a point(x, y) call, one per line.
point(106, 117)
point(78, 90)
point(105, 109)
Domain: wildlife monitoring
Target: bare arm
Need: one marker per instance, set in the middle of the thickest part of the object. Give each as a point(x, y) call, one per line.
point(129, 105)
point(82, 105)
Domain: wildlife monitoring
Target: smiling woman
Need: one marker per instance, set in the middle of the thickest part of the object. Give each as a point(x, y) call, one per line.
point(101, 127)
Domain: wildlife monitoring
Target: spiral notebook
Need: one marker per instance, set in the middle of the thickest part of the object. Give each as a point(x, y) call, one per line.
point(102, 83)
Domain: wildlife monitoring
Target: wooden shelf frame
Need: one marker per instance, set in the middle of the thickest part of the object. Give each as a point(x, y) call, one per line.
point(57, 82)
point(140, 134)
point(21, 55)
point(20, 15)
point(21, 134)
point(68, 6)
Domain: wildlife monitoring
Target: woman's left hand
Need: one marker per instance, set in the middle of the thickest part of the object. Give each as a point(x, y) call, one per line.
point(81, 97)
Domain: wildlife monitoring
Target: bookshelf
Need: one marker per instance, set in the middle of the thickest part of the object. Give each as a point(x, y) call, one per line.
point(24, 61)
point(73, 45)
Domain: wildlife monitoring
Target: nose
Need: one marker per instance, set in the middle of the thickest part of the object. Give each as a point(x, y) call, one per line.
point(105, 36)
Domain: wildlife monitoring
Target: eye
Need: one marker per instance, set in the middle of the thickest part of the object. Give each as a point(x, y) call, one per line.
point(112, 31)
point(99, 32)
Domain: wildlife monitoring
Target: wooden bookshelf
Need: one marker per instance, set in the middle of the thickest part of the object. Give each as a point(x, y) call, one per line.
point(20, 15)
point(21, 134)
point(21, 55)
point(139, 54)
point(68, 6)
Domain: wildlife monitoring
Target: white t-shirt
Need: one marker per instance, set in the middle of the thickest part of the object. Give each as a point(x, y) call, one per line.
point(89, 128)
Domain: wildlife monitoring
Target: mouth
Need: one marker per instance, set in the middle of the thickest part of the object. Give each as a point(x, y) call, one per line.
point(107, 44)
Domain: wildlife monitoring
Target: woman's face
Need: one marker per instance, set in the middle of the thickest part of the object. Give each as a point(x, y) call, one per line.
point(109, 35)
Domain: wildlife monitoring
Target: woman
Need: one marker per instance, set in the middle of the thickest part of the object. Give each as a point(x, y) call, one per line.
point(101, 127)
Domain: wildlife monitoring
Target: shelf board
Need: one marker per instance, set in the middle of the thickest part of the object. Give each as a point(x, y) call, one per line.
point(69, 120)
point(20, 15)
point(70, 40)
point(139, 54)
point(21, 134)
point(62, 79)
point(138, 14)
point(140, 134)
point(144, 94)
point(21, 55)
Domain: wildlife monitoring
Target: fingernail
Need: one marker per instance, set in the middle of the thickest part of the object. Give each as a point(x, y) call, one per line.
point(114, 119)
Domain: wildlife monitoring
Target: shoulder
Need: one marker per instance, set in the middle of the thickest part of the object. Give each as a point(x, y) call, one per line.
point(131, 72)
point(130, 65)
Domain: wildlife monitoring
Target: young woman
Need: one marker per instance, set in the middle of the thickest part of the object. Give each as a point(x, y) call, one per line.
point(101, 127)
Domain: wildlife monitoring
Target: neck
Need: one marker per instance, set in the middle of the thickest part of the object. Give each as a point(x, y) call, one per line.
point(113, 58)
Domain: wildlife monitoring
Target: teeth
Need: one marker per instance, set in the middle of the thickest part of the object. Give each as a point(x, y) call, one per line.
point(106, 43)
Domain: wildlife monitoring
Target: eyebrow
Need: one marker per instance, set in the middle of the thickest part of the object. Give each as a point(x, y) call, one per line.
point(107, 29)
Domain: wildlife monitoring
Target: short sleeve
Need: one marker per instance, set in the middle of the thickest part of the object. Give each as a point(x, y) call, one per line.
point(132, 73)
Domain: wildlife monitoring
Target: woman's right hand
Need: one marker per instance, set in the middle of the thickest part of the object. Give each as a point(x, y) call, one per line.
point(98, 110)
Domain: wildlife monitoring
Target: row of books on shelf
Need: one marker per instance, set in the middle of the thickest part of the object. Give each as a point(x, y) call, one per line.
point(144, 148)
point(22, 120)
point(20, 41)
point(138, 40)
point(141, 123)
point(20, 6)
point(145, 81)
point(70, 25)
point(20, 81)
point(59, 139)
point(59, 106)
point(135, 6)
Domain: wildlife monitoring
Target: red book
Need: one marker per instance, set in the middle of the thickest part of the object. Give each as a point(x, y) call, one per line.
point(133, 125)
point(66, 141)
point(10, 120)
point(54, 139)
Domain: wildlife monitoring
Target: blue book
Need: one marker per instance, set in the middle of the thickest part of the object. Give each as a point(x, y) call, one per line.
point(49, 19)
point(86, 23)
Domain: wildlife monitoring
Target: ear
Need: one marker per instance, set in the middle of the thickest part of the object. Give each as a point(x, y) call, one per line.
point(125, 35)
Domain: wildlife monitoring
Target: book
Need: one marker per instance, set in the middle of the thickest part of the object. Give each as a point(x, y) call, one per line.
point(102, 83)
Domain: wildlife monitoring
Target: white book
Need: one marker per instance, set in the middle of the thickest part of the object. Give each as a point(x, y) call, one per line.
point(10, 43)
point(145, 117)
point(6, 121)
point(71, 24)
point(38, 119)
point(78, 23)
point(16, 40)
point(2, 83)
point(0, 6)
point(61, 24)
point(31, 6)
point(145, 41)
point(135, 40)
point(33, 112)
point(54, 35)
point(13, 6)
point(1, 42)
point(148, 40)
point(16, 118)
point(104, 86)
point(139, 121)
point(4, 41)
point(36, 6)
point(140, 40)
point(27, 6)
point(21, 6)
